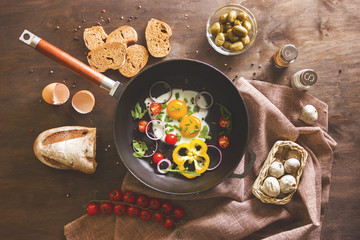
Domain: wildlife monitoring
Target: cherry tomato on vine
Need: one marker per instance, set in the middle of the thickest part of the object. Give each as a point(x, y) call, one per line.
point(154, 204)
point(171, 139)
point(224, 141)
point(155, 108)
point(166, 207)
point(145, 215)
point(157, 157)
point(115, 195)
point(133, 211)
point(142, 126)
point(179, 212)
point(169, 223)
point(157, 217)
point(223, 122)
point(120, 209)
point(92, 209)
point(106, 208)
point(142, 200)
point(129, 197)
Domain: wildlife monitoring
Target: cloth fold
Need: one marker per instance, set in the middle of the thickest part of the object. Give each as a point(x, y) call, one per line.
point(230, 210)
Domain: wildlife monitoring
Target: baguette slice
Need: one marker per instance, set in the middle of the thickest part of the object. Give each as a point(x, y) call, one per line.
point(94, 37)
point(107, 56)
point(136, 58)
point(69, 147)
point(157, 35)
point(124, 34)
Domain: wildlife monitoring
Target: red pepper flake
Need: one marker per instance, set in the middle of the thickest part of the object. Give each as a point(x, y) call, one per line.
point(63, 81)
point(98, 23)
point(103, 11)
point(73, 86)
point(208, 49)
point(85, 53)
point(31, 130)
point(108, 19)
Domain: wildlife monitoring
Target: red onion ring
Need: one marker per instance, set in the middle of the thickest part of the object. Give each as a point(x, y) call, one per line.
point(154, 151)
point(147, 126)
point(198, 97)
point(160, 82)
point(220, 153)
point(161, 161)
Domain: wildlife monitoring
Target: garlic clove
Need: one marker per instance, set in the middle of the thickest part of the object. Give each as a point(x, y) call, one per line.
point(276, 169)
point(271, 187)
point(309, 114)
point(292, 165)
point(287, 184)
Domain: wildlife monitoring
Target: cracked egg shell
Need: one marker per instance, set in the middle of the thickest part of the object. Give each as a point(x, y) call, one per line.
point(83, 101)
point(56, 93)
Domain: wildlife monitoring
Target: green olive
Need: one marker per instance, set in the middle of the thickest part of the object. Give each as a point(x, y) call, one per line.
point(236, 47)
point(242, 16)
point(231, 16)
point(247, 25)
point(227, 27)
point(215, 29)
point(223, 18)
point(237, 22)
point(232, 37)
point(222, 27)
point(227, 45)
point(245, 40)
point(240, 31)
point(220, 39)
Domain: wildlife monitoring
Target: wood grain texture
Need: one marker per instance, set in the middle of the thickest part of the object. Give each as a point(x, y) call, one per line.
point(33, 196)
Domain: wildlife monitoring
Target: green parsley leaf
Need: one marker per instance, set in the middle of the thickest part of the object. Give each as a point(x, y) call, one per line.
point(140, 149)
point(138, 113)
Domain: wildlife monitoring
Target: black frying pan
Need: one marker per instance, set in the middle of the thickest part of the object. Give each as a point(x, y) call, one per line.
point(201, 77)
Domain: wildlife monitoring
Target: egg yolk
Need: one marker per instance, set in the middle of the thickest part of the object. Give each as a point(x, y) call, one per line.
point(176, 109)
point(190, 126)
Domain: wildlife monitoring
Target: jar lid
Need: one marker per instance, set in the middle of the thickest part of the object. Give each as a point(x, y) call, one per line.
point(289, 53)
point(308, 77)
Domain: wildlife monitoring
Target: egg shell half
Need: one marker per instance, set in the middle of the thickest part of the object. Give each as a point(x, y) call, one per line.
point(83, 101)
point(56, 93)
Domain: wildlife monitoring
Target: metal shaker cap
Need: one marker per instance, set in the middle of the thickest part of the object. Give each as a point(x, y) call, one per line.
point(308, 77)
point(289, 53)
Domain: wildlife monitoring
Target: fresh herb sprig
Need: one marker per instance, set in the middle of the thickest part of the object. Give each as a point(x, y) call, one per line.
point(138, 113)
point(140, 148)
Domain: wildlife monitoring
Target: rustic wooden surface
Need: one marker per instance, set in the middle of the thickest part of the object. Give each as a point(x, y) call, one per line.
point(33, 197)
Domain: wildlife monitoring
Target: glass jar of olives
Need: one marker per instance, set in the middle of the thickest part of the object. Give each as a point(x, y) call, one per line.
point(231, 29)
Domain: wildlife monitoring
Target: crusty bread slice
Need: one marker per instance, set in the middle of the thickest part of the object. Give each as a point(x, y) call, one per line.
point(94, 37)
point(136, 58)
point(69, 147)
point(107, 56)
point(124, 34)
point(157, 35)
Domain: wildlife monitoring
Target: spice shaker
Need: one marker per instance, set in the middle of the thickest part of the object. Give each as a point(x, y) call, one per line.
point(303, 79)
point(284, 56)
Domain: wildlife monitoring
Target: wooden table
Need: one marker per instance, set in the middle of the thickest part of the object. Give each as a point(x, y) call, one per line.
point(37, 201)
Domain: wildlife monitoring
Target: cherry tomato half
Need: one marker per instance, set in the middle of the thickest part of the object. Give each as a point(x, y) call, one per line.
point(157, 157)
point(224, 141)
point(119, 209)
point(133, 211)
point(157, 217)
point(106, 208)
point(179, 212)
point(154, 204)
point(142, 126)
point(115, 195)
point(223, 122)
point(142, 201)
point(166, 207)
point(129, 197)
point(92, 209)
point(171, 139)
point(155, 108)
point(169, 223)
point(145, 215)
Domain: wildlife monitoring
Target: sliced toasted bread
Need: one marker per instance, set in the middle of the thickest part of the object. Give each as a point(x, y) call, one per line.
point(69, 147)
point(136, 58)
point(94, 37)
point(107, 56)
point(157, 35)
point(124, 34)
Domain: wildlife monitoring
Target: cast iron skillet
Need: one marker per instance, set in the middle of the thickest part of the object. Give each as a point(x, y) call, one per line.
point(200, 77)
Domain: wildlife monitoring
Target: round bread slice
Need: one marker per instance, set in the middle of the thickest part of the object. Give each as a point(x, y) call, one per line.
point(107, 56)
point(94, 37)
point(69, 147)
point(136, 59)
point(157, 35)
point(124, 34)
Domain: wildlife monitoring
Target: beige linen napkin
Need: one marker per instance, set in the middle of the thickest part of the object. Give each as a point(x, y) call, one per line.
point(230, 210)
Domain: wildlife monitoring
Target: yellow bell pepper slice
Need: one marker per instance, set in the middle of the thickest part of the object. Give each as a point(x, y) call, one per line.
point(195, 153)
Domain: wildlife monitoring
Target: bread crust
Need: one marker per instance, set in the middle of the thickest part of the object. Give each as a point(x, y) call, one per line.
point(68, 147)
point(107, 56)
point(136, 59)
point(157, 35)
point(124, 34)
point(94, 37)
